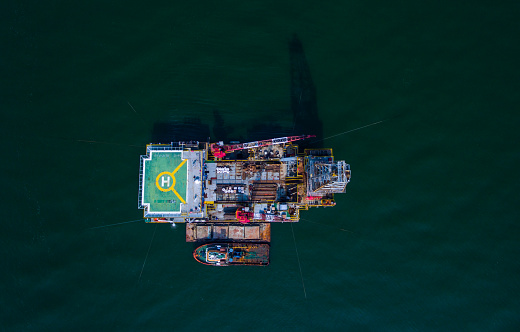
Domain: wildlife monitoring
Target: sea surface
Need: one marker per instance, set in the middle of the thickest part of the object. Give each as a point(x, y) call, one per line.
point(421, 98)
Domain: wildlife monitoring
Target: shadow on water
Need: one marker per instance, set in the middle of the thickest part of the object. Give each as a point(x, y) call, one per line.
point(188, 129)
point(304, 104)
point(220, 130)
point(304, 108)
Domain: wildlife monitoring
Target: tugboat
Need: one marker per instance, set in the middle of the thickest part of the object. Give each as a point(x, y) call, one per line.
point(235, 253)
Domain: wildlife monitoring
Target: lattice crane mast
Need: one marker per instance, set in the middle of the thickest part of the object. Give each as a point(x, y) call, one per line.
point(220, 149)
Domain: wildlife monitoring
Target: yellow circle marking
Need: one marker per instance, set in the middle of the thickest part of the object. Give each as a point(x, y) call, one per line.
point(160, 177)
point(172, 176)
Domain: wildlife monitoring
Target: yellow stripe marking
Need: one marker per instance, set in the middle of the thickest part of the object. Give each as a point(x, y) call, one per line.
point(173, 189)
point(178, 196)
point(180, 165)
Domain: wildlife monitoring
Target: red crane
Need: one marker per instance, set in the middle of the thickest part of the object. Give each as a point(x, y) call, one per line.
point(219, 150)
point(243, 217)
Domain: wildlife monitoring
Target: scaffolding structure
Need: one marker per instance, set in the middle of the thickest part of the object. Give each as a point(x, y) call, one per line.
point(326, 177)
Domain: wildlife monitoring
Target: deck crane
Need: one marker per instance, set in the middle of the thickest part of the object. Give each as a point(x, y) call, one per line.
point(220, 149)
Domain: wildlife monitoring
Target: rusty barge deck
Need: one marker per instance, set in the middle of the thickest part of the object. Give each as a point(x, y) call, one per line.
point(197, 232)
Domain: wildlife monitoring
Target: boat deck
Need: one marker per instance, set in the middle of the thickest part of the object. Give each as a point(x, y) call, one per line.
point(236, 253)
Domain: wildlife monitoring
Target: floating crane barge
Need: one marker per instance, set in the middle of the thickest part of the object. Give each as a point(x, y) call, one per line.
point(228, 195)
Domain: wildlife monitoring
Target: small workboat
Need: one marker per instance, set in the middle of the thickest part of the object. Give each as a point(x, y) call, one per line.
point(233, 253)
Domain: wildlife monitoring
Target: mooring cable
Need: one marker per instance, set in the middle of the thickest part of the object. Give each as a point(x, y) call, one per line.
point(149, 247)
point(351, 130)
point(119, 223)
point(299, 265)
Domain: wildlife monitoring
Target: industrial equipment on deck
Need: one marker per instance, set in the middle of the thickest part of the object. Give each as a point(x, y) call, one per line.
point(213, 187)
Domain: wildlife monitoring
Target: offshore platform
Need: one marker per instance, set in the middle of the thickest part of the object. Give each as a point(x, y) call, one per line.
point(229, 194)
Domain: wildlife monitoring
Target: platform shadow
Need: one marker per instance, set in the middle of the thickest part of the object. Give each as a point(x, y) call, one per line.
point(304, 107)
point(187, 129)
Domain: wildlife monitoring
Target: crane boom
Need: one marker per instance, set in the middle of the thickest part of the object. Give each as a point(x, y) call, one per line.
point(220, 150)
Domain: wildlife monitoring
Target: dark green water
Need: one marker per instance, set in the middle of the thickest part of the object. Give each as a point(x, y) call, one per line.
point(433, 234)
